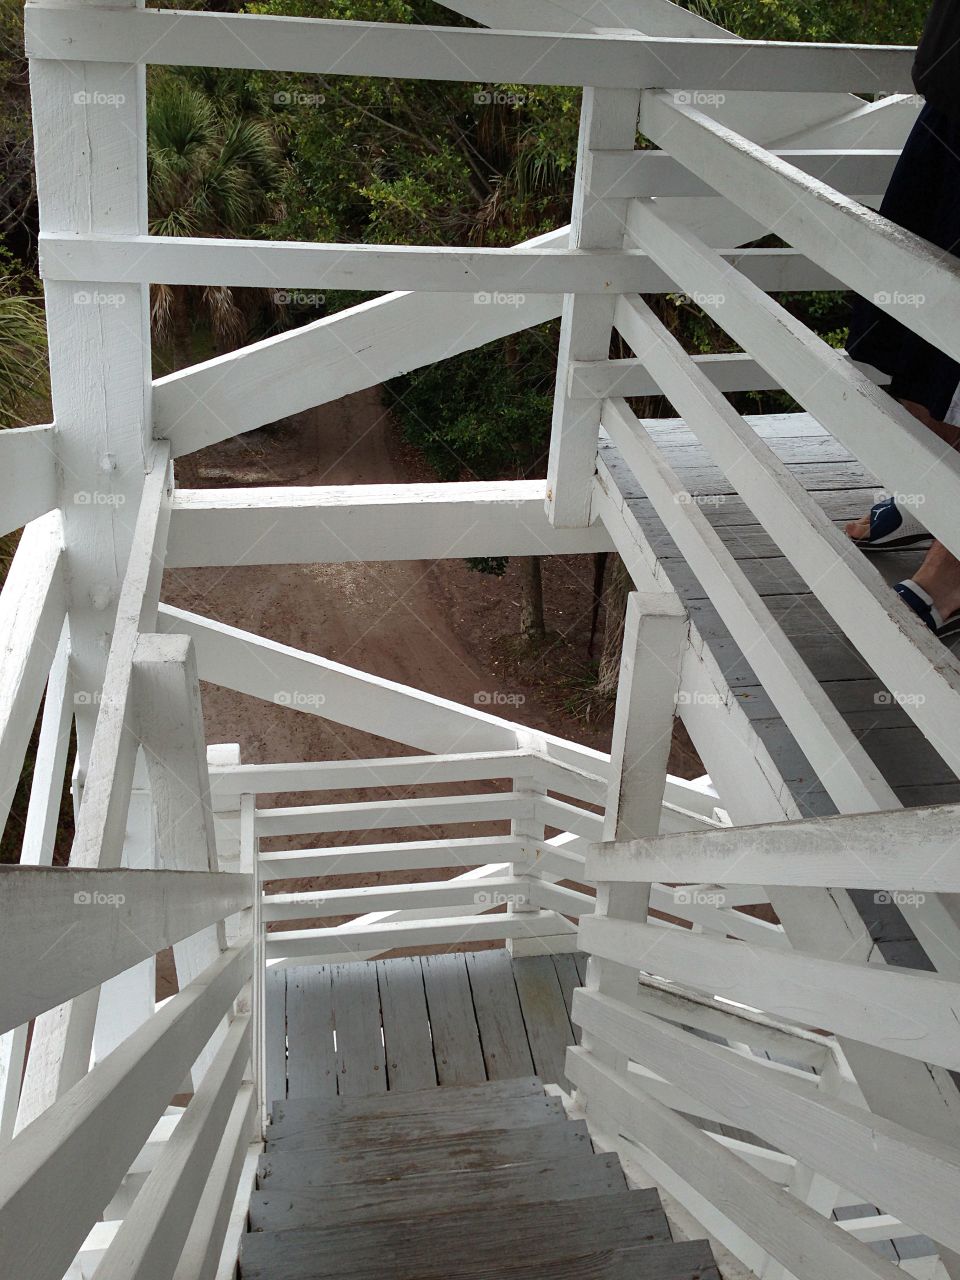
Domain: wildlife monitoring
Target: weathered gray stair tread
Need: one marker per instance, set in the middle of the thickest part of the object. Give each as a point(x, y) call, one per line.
point(290, 1115)
point(469, 1150)
point(371, 1131)
point(591, 1175)
point(660, 1260)
point(440, 1245)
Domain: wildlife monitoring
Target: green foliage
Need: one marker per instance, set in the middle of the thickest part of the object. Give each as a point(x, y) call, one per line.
point(23, 343)
point(485, 414)
point(854, 21)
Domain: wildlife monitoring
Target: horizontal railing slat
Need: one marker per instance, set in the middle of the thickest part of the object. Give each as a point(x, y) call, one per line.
point(486, 893)
point(912, 850)
point(323, 46)
point(856, 1149)
point(906, 1011)
point(69, 929)
point(809, 1246)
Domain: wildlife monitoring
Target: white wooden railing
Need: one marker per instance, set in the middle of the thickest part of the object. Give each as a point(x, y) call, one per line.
point(104, 1167)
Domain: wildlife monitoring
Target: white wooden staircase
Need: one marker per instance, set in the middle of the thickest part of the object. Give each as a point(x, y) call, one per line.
point(487, 1182)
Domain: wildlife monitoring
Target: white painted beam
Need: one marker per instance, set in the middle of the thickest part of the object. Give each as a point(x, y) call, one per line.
point(405, 855)
point(350, 523)
point(905, 1011)
point(909, 850)
point(290, 677)
point(349, 940)
point(323, 46)
point(68, 930)
point(484, 894)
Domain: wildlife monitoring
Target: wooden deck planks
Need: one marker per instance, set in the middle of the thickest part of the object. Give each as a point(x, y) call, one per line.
point(355, 1031)
point(456, 1037)
point(545, 1016)
point(361, 1064)
point(406, 1027)
point(503, 1036)
point(311, 1060)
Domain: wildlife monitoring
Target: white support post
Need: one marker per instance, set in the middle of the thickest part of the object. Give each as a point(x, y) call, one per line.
point(608, 122)
point(654, 638)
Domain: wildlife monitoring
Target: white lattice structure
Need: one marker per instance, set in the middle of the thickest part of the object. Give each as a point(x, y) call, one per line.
point(754, 138)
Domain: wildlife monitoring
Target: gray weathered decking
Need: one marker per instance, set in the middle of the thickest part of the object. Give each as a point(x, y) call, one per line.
point(418, 1021)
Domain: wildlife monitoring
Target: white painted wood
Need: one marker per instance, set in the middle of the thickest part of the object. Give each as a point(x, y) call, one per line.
point(902, 1010)
point(902, 651)
point(32, 606)
point(216, 1212)
point(68, 930)
point(912, 1176)
point(62, 1039)
point(631, 174)
point(334, 357)
point(491, 892)
point(444, 53)
point(590, 379)
point(351, 940)
point(252, 664)
point(405, 855)
point(150, 1240)
point(166, 706)
point(819, 728)
point(49, 766)
point(809, 1245)
point(822, 733)
point(350, 523)
point(732, 1023)
point(816, 218)
point(122, 1097)
point(880, 432)
point(608, 120)
point(28, 467)
point(368, 815)
point(907, 849)
point(230, 781)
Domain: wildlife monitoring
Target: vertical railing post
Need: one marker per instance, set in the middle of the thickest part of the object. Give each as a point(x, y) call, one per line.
point(608, 122)
point(90, 144)
point(654, 638)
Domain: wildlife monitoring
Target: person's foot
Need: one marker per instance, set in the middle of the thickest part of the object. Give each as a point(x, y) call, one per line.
point(886, 527)
point(933, 593)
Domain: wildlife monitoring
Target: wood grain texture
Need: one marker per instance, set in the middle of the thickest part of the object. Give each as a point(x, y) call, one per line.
point(436, 1246)
point(456, 1039)
point(312, 1062)
point(406, 1027)
point(503, 1036)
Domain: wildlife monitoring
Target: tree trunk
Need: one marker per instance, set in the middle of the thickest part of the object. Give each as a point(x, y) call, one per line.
point(532, 625)
point(618, 588)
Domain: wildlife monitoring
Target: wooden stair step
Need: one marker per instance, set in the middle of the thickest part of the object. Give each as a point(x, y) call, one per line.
point(290, 1114)
point(371, 1131)
point(661, 1260)
point(340, 1205)
point(447, 1152)
point(438, 1247)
